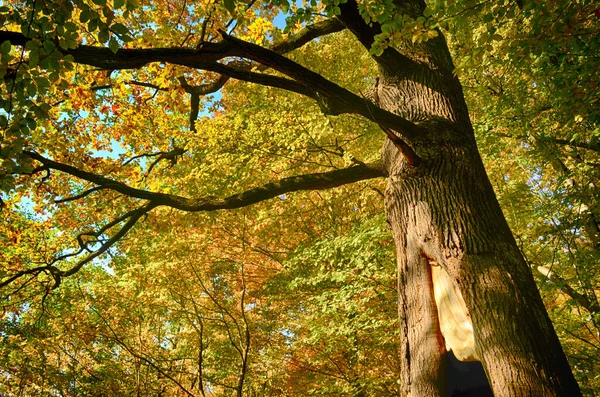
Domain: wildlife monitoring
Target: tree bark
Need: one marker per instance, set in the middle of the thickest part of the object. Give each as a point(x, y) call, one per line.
point(444, 212)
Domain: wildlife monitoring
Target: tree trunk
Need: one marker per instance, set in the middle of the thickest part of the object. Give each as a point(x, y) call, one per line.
point(443, 212)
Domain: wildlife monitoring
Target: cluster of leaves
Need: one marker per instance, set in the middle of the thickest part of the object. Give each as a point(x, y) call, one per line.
point(226, 301)
point(201, 309)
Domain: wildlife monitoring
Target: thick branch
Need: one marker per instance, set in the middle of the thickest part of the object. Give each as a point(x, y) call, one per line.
point(317, 181)
point(104, 58)
point(591, 306)
point(365, 33)
point(332, 98)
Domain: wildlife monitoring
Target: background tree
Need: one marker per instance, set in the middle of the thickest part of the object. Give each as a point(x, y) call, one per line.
point(61, 117)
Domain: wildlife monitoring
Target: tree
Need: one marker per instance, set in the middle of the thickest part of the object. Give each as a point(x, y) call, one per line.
point(439, 203)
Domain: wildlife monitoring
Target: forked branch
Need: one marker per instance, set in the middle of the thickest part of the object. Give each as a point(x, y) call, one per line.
point(332, 98)
point(130, 219)
point(316, 181)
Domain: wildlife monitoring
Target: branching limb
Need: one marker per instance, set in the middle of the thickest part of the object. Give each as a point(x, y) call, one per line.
point(130, 219)
point(172, 156)
point(196, 92)
point(33, 271)
point(133, 216)
point(317, 181)
point(365, 33)
point(139, 156)
point(332, 98)
point(306, 35)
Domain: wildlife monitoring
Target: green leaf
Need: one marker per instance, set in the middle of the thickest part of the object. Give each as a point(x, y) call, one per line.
point(229, 5)
point(113, 45)
point(93, 24)
point(5, 48)
point(103, 35)
point(84, 16)
point(42, 82)
point(49, 46)
point(34, 57)
point(131, 5)
point(31, 90)
point(119, 29)
point(118, 4)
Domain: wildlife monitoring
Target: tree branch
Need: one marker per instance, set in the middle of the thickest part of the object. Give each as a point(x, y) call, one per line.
point(581, 299)
point(365, 33)
point(305, 35)
point(57, 274)
point(78, 196)
point(308, 34)
point(332, 98)
point(316, 181)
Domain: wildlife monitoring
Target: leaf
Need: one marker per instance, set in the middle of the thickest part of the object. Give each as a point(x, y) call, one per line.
point(84, 16)
point(5, 48)
point(103, 35)
point(113, 45)
point(120, 29)
point(229, 6)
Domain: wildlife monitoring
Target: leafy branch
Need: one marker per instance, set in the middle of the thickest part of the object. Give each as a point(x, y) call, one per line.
point(332, 98)
point(130, 219)
point(315, 181)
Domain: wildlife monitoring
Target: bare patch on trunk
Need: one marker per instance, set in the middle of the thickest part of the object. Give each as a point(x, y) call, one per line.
point(455, 321)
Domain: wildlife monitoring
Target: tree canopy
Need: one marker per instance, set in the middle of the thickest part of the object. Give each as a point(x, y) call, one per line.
point(192, 192)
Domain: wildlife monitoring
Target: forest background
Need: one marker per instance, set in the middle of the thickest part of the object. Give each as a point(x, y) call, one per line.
point(295, 295)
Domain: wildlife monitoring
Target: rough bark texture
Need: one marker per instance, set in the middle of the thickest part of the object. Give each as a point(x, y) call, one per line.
point(445, 211)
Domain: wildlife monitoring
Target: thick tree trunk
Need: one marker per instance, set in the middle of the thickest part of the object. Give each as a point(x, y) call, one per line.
point(444, 213)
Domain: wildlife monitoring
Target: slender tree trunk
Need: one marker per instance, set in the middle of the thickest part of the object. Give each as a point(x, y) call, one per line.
point(444, 212)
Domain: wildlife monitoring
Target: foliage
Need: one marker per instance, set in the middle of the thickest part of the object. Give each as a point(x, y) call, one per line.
point(292, 296)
